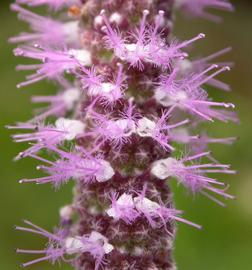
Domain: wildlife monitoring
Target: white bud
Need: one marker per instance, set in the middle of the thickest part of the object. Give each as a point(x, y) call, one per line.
point(73, 245)
point(83, 56)
point(169, 100)
point(66, 212)
point(185, 65)
point(71, 31)
point(102, 240)
point(124, 200)
point(131, 47)
point(105, 173)
point(107, 87)
point(93, 210)
point(145, 205)
point(71, 127)
point(70, 96)
point(98, 20)
point(145, 127)
point(116, 18)
point(138, 251)
point(163, 168)
point(127, 126)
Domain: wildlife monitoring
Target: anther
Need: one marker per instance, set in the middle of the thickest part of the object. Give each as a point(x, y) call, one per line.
point(102, 12)
point(201, 35)
point(161, 12)
point(146, 12)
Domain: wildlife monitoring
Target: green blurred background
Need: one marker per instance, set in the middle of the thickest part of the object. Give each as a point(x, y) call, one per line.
point(226, 241)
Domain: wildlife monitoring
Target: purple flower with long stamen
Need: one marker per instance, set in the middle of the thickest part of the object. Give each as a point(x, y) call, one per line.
point(78, 165)
point(199, 8)
point(197, 143)
point(186, 67)
point(54, 251)
point(193, 176)
point(46, 31)
point(158, 130)
point(54, 4)
point(157, 213)
point(95, 243)
point(61, 245)
point(187, 94)
point(200, 144)
point(116, 131)
point(54, 63)
point(45, 136)
point(60, 104)
point(128, 208)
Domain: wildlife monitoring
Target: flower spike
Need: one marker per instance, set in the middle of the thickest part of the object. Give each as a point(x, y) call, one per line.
point(129, 99)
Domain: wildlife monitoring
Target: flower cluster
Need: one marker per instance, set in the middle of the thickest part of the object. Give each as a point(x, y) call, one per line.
point(62, 245)
point(129, 99)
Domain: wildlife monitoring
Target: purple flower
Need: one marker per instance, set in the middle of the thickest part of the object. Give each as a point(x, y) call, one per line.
point(158, 129)
point(128, 208)
point(116, 131)
point(108, 92)
point(157, 213)
point(201, 143)
point(123, 208)
point(198, 8)
point(95, 243)
point(187, 94)
point(148, 46)
point(54, 63)
point(187, 67)
point(77, 165)
point(198, 143)
point(61, 246)
point(60, 104)
point(53, 252)
point(46, 136)
point(193, 176)
point(46, 31)
point(54, 4)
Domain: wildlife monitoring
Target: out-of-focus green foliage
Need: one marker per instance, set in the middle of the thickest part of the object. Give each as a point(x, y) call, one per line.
point(226, 241)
